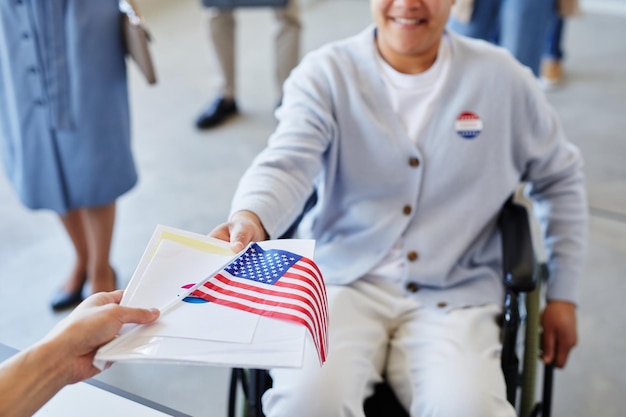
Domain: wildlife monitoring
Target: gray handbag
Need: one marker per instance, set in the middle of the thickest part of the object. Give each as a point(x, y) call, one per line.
point(136, 38)
point(231, 4)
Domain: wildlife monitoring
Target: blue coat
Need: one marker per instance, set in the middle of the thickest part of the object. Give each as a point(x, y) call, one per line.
point(64, 116)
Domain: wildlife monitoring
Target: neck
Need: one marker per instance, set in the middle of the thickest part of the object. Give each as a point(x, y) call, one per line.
point(411, 65)
point(408, 63)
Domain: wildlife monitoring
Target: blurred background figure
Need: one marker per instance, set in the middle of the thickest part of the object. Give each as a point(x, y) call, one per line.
point(221, 24)
point(64, 124)
point(521, 26)
point(551, 65)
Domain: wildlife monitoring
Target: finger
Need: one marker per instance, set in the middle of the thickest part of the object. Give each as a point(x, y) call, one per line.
point(548, 346)
point(563, 348)
point(237, 246)
point(240, 236)
point(116, 296)
point(221, 232)
point(138, 315)
point(561, 357)
point(101, 299)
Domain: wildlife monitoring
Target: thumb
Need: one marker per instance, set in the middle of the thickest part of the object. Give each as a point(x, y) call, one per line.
point(139, 315)
point(240, 236)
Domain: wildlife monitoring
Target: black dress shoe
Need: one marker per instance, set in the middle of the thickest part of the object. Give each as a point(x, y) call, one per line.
point(63, 300)
point(216, 113)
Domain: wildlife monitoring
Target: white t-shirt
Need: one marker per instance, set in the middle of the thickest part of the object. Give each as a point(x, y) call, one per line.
point(411, 97)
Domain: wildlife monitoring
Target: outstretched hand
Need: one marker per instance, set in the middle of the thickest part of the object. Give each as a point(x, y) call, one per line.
point(93, 323)
point(65, 356)
point(244, 227)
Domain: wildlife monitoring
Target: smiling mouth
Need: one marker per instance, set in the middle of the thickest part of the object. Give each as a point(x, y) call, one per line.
point(405, 21)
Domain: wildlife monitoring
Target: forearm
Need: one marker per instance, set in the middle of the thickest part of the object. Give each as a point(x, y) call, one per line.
point(30, 378)
point(566, 241)
point(558, 184)
point(273, 195)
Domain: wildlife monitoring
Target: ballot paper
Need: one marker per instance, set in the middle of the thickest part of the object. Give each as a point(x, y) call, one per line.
point(255, 309)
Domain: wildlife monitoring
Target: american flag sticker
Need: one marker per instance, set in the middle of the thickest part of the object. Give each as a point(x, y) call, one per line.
point(468, 125)
point(274, 283)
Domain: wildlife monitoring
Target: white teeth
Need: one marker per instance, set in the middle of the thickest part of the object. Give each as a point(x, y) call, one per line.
point(404, 21)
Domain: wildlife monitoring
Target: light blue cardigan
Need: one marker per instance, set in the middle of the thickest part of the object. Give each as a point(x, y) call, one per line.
point(337, 132)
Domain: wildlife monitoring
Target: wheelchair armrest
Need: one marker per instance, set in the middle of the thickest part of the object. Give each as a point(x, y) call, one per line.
point(518, 256)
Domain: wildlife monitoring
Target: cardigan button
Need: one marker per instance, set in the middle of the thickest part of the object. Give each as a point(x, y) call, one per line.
point(442, 304)
point(412, 256)
point(414, 162)
point(406, 210)
point(412, 287)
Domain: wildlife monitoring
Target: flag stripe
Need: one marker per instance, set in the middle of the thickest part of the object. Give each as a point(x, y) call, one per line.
point(307, 284)
point(231, 287)
point(292, 291)
point(293, 279)
point(312, 275)
point(320, 308)
point(311, 264)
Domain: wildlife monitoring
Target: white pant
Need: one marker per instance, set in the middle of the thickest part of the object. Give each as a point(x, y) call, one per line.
point(222, 36)
point(438, 363)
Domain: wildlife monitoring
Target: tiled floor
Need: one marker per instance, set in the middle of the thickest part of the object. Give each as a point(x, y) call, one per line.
point(187, 178)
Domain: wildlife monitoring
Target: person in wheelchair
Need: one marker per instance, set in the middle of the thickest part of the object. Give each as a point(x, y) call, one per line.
point(413, 138)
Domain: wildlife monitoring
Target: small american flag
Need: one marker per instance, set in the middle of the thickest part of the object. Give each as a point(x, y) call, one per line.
point(274, 283)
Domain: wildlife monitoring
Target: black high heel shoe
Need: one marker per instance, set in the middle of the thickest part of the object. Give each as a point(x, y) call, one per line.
point(63, 300)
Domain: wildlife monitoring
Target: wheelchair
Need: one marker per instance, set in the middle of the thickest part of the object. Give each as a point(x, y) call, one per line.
point(524, 269)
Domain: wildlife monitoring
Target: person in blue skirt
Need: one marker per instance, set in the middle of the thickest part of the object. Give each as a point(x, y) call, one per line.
point(64, 124)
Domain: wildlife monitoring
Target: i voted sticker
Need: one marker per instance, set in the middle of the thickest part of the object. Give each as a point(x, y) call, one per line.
point(468, 125)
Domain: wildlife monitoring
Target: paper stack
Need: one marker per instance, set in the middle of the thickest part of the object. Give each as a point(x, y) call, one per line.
point(200, 328)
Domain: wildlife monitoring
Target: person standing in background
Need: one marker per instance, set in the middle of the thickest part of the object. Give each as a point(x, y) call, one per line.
point(521, 26)
point(551, 66)
point(221, 24)
point(65, 125)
